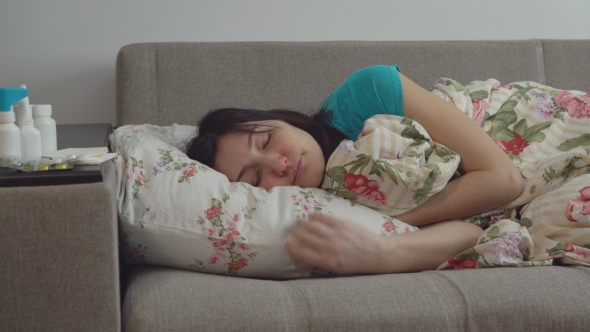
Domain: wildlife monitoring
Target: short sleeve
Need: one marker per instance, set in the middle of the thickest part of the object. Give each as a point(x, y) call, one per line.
point(367, 92)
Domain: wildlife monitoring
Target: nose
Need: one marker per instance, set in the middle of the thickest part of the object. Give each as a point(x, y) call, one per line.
point(279, 165)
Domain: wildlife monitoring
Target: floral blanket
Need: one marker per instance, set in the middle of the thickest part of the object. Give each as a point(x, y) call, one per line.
point(546, 133)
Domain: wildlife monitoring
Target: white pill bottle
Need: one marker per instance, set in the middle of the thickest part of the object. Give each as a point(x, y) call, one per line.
point(47, 126)
point(10, 145)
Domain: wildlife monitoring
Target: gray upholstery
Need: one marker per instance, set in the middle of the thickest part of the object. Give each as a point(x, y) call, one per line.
point(502, 299)
point(165, 83)
point(59, 262)
point(566, 64)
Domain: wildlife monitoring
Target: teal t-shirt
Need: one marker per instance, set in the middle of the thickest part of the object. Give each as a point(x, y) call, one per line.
point(367, 92)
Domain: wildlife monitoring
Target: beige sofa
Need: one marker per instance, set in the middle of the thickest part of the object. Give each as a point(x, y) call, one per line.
point(59, 270)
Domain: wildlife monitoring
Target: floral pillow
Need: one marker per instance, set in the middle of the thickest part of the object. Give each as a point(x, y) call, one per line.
point(174, 211)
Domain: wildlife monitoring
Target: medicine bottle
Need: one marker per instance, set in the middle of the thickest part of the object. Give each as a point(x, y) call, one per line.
point(10, 145)
point(30, 140)
point(46, 125)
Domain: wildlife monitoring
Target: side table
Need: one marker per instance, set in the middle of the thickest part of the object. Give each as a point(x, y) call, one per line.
point(59, 258)
point(68, 136)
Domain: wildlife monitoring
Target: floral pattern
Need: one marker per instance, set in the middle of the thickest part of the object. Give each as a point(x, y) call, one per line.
point(577, 106)
point(305, 204)
point(359, 184)
point(530, 122)
point(193, 218)
point(227, 241)
point(583, 201)
point(134, 252)
point(189, 216)
point(187, 168)
point(366, 172)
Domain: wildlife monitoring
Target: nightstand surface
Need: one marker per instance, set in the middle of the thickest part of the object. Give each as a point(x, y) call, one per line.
point(68, 136)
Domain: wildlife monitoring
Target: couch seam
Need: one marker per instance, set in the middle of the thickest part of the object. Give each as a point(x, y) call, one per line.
point(541, 60)
point(468, 321)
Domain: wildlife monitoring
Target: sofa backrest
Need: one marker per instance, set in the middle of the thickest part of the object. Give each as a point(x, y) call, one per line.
point(177, 82)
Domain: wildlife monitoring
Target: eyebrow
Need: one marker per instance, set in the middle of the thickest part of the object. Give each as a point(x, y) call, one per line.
point(250, 142)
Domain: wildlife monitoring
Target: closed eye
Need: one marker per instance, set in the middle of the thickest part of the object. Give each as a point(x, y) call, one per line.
point(268, 137)
point(258, 177)
point(259, 171)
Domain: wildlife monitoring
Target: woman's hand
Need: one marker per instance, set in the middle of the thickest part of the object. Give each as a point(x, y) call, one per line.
point(345, 248)
point(336, 245)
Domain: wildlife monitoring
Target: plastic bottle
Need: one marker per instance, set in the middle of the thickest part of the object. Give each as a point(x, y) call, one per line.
point(23, 109)
point(10, 145)
point(30, 139)
point(46, 125)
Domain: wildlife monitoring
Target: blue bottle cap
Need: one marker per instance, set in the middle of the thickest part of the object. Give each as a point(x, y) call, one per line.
point(10, 96)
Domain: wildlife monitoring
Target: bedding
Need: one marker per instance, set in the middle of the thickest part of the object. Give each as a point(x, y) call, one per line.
point(395, 166)
point(176, 212)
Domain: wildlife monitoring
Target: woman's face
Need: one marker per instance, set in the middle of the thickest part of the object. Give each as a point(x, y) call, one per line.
point(277, 154)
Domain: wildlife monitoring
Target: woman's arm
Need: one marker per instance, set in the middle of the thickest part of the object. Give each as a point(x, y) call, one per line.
point(345, 248)
point(489, 178)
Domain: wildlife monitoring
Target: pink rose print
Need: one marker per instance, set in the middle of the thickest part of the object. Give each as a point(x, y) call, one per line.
point(213, 260)
point(388, 226)
point(479, 110)
point(584, 252)
point(236, 217)
point(584, 200)
point(241, 263)
point(141, 176)
point(497, 86)
point(211, 212)
point(219, 245)
point(577, 106)
point(231, 234)
point(516, 146)
point(189, 171)
point(458, 263)
point(360, 185)
point(138, 254)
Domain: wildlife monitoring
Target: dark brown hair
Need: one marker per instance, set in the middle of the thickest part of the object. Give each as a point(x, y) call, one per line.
point(216, 123)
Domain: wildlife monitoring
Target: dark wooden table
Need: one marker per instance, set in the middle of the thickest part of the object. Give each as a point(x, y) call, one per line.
point(68, 136)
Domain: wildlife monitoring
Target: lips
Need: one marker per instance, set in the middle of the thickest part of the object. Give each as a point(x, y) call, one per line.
point(297, 171)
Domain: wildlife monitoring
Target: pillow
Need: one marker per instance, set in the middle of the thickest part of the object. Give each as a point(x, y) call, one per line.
point(176, 212)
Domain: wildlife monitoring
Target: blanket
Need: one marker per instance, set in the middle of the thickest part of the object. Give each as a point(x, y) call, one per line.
point(395, 166)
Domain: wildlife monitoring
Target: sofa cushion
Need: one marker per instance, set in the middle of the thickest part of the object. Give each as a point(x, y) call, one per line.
point(505, 299)
point(165, 83)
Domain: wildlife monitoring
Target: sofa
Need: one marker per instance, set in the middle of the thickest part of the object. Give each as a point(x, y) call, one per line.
point(60, 258)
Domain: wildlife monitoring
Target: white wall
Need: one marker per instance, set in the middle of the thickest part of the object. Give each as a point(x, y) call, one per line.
point(65, 50)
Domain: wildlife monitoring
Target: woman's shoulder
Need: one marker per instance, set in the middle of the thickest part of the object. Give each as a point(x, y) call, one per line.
point(368, 91)
point(383, 79)
point(376, 71)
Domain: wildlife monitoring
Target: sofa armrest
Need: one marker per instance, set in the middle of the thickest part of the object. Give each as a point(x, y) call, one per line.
point(58, 257)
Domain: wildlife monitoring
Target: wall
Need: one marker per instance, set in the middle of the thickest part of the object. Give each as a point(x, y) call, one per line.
point(65, 50)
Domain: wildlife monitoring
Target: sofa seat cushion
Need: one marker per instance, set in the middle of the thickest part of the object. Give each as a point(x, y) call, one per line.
point(553, 298)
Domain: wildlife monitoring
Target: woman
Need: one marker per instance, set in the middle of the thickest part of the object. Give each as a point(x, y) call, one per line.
point(278, 148)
